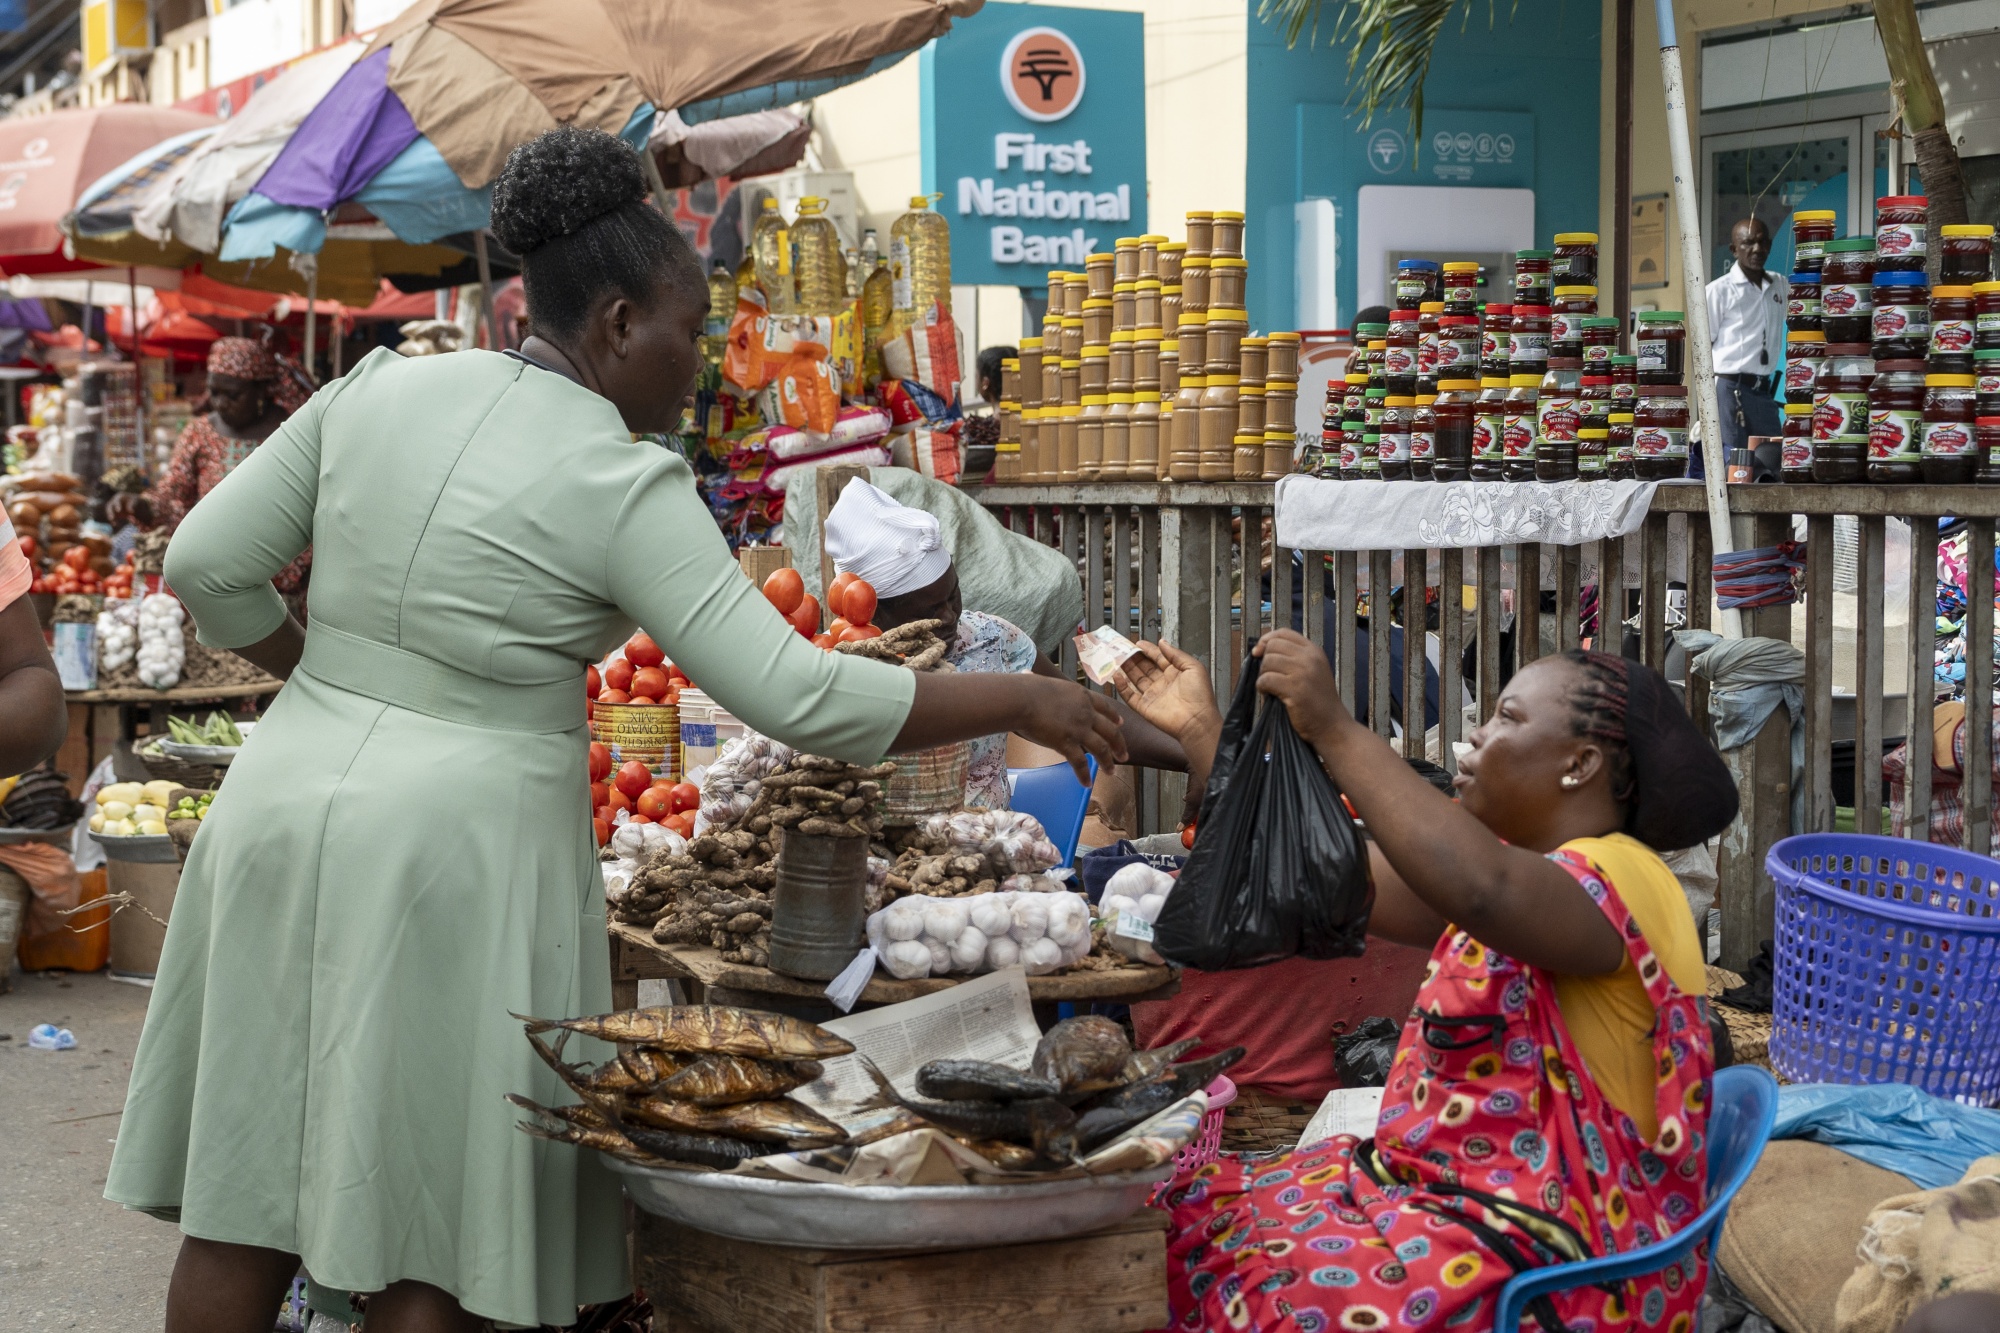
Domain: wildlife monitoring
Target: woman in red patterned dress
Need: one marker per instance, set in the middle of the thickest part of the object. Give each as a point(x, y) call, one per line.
point(1548, 1101)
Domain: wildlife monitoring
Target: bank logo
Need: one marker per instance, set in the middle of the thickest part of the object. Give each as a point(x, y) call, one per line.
point(1042, 74)
point(1385, 151)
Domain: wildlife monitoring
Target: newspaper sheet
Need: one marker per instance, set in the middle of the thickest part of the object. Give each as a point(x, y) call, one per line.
point(1345, 1111)
point(987, 1018)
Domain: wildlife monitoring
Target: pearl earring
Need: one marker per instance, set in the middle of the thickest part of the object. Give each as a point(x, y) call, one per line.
point(1569, 780)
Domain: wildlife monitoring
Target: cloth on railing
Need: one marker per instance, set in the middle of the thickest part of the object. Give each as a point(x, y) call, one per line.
point(1749, 679)
point(1761, 576)
point(1314, 514)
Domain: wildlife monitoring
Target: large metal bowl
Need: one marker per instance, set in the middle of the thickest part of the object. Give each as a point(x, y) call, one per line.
point(886, 1217)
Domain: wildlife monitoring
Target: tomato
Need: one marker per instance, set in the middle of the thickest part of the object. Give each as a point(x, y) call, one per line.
point(600, 761)
point(602, 827)
point(806, 619)
point(29, 546)
point(618, 675)
point(613, 697)
point(649, 681)
point(1187, 837)
point(656, 802)
point(838, 626)
point(643, 701)
point(618, 801)
point(674, 673)
point(856, 633)
point(592, 682)
point(686, 796)
point(641, 651)
point(633, 777)
point(77, 558)
point(638, 819)
point(823, 640)
point(836, 595)
point(785, 590)
point(859, 603)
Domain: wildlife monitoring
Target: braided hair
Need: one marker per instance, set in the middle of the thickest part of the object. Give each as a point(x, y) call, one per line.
point(572, 203)
point(1599, 706)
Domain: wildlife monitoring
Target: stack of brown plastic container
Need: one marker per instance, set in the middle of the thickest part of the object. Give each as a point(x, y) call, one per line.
point(1281, 398)
point(1007, 453)
point(1030, 379)
point(1224, 326)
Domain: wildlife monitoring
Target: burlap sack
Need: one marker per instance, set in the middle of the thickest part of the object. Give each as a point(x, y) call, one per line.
point(1790, 1241)
point(1920, 1246)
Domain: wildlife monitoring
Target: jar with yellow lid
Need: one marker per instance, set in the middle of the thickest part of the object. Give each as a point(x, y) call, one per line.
point(1194, 285)
point(1281, 404)
point(1069, 417)
point(1007, 450)
point(1030, 443)
point(1146, 303)
point(1117, 437)
point(1072, 381)
point(1125, 306)
point(1200, 227)
point(1185, 461)
point(1575, 262)
point(1127, 250)
point(1226, 235)
point(1171, 254)
point(1284, 356)
point(1279, 448)
point(1253, 355)
point(1099, 272)
point(1072, 335)
point(1097, 319)
point(1225, 330)
point(1058, 292)
point(1170, 366)
point(1052, 381)
point(1076, 290)
point(1094, 370)
point(1228, 278)
point(1217, 433)
point(1090, 438)
point(1149, 256)
point(1249, 407)
point(1143, 451)
point(1146, 358)
point(1122, 342)
point(1246, 457)
point(1170, 306)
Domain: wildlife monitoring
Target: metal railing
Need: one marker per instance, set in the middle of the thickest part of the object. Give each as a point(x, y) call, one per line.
point(1196, 564)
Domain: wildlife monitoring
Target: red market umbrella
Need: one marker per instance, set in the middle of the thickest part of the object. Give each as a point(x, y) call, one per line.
point(46, 163)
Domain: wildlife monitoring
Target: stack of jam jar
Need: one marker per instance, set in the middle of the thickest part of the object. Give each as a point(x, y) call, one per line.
point(1895, 382)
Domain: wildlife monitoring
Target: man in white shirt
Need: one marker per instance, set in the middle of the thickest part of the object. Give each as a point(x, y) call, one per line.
point(1746, 320)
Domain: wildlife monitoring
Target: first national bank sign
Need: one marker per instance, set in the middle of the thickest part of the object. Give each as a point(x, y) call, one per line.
point(1034, 133)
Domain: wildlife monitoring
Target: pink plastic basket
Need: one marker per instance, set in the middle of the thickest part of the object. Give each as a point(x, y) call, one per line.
point(1208, 1139)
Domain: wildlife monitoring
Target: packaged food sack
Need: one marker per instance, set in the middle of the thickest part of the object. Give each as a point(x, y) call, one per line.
point(926, 352)
point(854, 426)
point(932, 450)
point(805, 393)
point(743, 357)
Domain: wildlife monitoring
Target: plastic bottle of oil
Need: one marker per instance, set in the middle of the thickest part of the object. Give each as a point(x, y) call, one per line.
point(721, 310)
point(878, 292)
point(919, 263)
point(822, 270)
point(771, 243)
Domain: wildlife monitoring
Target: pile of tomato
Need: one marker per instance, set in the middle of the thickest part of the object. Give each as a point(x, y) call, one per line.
point(851, 600)
point(642, 676)
point(72, 573)
point(646, 799)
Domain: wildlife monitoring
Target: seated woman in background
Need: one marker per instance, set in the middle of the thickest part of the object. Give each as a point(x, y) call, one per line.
point(1549, 1099)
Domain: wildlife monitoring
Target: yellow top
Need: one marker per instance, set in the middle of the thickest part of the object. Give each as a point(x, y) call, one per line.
point(1031, 344)
point(1960, 229)
point(1462, 266)
point(1525, 381)
point(1232, 214)
point(1576, 238)
point(1983, 287)
point(1285, 338)
point(1609, 1017)
point(1813, 215)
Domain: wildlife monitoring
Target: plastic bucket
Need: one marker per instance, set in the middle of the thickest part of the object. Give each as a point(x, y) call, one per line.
point(151, 873)
point(1887, 965)
point(817, 914)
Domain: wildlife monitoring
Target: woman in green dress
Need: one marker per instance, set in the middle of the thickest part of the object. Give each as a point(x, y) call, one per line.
point(402, 857)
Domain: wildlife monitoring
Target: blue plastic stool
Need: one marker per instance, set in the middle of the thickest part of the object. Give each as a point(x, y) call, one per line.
point(1739, 1123)
point(1052, 795)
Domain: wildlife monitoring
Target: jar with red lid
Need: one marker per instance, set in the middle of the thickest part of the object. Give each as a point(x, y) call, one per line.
point(1573, 305)
point(1624, 382)
point(1965, 253)
point(1559, 402)
point(1592, 452)
point(1489, 430)
point(1986, 434)
point(1953, 332)
point(1803, 353)
point(1429, 317)
point(1896, 422)
point(1840, 413)
point(1594, 400)
point(1812, 228)
point(1950, 450)
point(1451, 449)
point(1659, 433)
point(1662, 345)
point(1847, 291)
point(1534, 276)
point(1528, 340)
point(1461, 288)
point(1618, 448)
point(1986, 315)
point(1796, 450)
point(1902, 230)
point(1495, 321)
point(1457, 347)
point(1399, 354)
point(1517, 426)
point(1986, 380)
point(1901, 324)
point(1575, 262)
point(1392, 451)
point(1423, 437)
point(1555, 460)
point(1802, 309)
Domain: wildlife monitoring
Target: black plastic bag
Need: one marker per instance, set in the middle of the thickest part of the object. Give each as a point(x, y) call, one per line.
point(1362, 1057)
point(1278, 868)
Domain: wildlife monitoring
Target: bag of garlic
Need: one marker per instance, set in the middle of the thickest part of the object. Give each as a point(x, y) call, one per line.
point(921, 936)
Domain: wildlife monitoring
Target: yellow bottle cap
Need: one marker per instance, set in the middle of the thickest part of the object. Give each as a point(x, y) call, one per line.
point(1378, 344)
point(1195, 261)
point(1224, 380)
point(1199, 213)
point(1286, 338)
point(1121, 336)
point(1094, 400)
point(1228, 261)
point(1095, 351)
point(1148, 335)
point(1804, 336)
point(1950, 381)
point(1401, 401)
point(1227, 313)
point(1493, 382)
point(1098, 303)
point(1227, 215)
point(1457, 386)
point(1576, 291)
point(1144, 283)
point(1951, 293)
point(1625, 418)
point(1462, 266)
point(1524, 381)
point(1576, 238)
point(1813, 215)
point(1975, 230)
point(1175, 246)
point(1031, 344)
point(1193, 318)
point(1431, 308)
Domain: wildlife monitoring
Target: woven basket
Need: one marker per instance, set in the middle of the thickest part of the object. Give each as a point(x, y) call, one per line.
point(167, 768)
point(1263, 1122)
point(1749, 1033)
point(927, 782)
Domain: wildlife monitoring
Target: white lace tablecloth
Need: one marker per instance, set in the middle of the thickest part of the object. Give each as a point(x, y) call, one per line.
point(1318, 515)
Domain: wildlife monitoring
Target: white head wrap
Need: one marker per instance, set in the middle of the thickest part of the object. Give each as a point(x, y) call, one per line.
point(895, 548)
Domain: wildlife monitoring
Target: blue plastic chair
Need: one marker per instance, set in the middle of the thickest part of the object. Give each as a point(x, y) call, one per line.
point(1739, 1124)
point(1052, 795)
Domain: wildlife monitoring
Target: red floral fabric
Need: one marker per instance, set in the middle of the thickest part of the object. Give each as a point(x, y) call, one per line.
point(202, 457)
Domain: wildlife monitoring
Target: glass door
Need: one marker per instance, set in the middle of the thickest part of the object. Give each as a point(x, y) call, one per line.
point(1772, 173)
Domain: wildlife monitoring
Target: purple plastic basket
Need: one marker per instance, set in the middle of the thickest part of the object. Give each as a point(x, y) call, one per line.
point(1887, 964)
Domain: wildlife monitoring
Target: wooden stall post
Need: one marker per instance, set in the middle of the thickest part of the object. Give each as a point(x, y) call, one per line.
point(829, 480)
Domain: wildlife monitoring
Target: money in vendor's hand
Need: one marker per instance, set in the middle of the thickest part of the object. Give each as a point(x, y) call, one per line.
point(1102, 651)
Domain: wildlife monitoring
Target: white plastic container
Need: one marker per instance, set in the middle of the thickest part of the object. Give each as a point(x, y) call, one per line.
point(698, 744)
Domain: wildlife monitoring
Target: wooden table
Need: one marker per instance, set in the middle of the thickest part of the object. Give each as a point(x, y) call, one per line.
point(636, 957)
point(1113, 1280)
point(93, 734)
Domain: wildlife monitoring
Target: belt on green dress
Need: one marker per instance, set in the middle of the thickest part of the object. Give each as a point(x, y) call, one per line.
point(426, 685)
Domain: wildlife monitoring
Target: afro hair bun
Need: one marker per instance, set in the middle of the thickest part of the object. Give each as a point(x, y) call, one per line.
point(560, 181)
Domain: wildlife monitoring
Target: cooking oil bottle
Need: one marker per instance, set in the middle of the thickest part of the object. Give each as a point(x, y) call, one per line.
point(822, 270)
point(721, 310)
point(771, 243)
point(878, 304)
point(919, 264)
